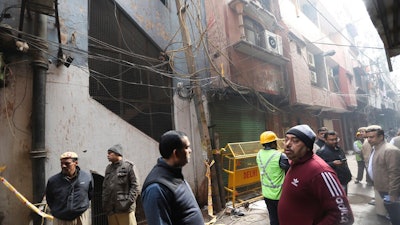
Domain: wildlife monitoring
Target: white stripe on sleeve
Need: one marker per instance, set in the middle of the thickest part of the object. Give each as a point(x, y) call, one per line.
point(331, 184)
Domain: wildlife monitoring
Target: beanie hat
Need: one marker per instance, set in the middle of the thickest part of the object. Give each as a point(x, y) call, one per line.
point(117, 149)
point(304, 133)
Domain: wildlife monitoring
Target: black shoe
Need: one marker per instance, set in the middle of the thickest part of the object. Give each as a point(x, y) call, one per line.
point(356, 181)
point(237, 212)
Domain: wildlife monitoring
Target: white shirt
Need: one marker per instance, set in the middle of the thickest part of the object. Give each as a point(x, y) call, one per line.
point(370, 173)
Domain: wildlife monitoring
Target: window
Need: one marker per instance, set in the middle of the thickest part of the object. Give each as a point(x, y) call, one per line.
point(310, 12)
point(334, 82)
point(313, 77)
point(122, 71)
point(254, 32)
point(310, 59)
point(298, 49)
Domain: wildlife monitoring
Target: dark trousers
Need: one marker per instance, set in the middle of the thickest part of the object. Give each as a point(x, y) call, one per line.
point(360, 171)
point(272, 206)
point(393, 209)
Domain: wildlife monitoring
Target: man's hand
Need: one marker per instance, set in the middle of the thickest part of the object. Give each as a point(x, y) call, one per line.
point(337, 162)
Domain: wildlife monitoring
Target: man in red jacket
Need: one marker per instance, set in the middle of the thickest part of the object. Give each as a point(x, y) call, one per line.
point(311, 192)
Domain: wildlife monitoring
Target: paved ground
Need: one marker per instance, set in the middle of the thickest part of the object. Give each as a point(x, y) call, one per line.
point(359, 196)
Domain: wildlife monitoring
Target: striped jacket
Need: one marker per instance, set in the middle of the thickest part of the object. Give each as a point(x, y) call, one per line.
point(312, 194)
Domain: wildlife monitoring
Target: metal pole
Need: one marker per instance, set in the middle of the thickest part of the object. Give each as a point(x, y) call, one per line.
point(38, 152)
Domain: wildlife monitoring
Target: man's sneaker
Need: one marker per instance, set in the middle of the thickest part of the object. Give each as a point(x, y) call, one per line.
point(356, 181)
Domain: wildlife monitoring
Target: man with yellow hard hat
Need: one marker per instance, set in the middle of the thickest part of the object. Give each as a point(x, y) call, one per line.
point(272, 165)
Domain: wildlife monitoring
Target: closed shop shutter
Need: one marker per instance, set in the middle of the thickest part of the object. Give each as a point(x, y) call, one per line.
point(236, 121)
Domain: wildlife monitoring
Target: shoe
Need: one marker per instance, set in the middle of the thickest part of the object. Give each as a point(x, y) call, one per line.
point(356, 181)
point(237, 212)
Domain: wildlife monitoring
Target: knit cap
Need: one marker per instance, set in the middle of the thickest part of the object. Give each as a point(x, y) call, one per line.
point(304, 133)
point(117, 149)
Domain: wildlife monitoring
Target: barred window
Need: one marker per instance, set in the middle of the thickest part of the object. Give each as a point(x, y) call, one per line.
point(127, 74)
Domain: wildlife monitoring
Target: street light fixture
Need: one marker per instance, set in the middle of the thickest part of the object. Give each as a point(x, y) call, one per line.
point(329, 53)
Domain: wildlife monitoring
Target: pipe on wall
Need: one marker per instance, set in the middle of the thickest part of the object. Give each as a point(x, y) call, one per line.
point(38, 151)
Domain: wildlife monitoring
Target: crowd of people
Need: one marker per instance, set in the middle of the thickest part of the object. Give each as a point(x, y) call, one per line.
point(307, 181)
point(166, 196)
point(319, 174)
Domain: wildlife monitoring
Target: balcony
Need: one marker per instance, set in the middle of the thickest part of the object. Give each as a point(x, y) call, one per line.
point(254, 9)
point(267, 47)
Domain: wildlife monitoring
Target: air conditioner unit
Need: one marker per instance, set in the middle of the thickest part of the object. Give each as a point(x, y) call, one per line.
point(313, 77)
point(273, 42)
point(310, 59)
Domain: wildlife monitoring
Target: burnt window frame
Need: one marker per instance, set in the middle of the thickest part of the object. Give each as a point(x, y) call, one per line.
point(121, 79)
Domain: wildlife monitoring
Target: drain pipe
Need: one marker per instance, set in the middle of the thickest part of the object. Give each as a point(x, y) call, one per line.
point(38, 152)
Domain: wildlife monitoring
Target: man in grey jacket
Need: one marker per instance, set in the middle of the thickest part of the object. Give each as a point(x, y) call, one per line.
point(120, 188)
point(384, 169)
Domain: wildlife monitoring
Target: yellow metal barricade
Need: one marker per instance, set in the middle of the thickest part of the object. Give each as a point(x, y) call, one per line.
point(241, 175)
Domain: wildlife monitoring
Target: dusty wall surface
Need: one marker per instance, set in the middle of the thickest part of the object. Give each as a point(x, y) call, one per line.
point(74, 121)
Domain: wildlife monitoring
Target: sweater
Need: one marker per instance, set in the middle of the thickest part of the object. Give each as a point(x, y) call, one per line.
point(312, 194)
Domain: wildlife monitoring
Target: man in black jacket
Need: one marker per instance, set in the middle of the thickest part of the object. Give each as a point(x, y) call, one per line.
point(336, 158)
point(166, 196)
point(68, 193)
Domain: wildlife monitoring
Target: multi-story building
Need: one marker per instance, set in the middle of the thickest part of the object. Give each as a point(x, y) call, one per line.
point(283, 63)
point(249, 59)
point(97, 73)
point(101, 72)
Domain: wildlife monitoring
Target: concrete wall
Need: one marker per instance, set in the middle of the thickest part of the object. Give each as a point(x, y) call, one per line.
point(74, 121)
point(15, 142)
point(304, 92)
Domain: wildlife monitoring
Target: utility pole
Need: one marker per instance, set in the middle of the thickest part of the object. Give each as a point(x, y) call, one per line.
point(198, 103)
point(197, 97)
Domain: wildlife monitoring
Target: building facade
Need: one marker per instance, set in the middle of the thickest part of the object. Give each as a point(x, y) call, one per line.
point(281, 63)
point(101, 72)
point(96, 73)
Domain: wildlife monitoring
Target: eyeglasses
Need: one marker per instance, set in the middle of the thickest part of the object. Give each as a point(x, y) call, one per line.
point(68, 163)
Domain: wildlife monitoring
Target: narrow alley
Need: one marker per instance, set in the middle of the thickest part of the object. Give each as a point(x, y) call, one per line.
point(359, 196)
